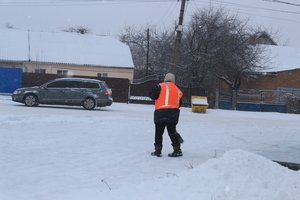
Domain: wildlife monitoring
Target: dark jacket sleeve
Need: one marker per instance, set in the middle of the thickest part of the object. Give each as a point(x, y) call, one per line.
point(154, 92)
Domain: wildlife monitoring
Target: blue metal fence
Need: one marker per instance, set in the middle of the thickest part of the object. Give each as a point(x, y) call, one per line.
point(253, 107)
point(10, 79)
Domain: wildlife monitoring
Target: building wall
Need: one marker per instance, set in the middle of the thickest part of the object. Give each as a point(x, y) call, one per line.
point(11, 64)
point(285, 79)
point(80, 70)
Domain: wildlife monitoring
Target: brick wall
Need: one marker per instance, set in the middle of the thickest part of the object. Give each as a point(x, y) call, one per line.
point(285, 79)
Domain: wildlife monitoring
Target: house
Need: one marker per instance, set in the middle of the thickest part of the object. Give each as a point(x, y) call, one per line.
point(281, 71)
point(274, 87)
point(65, 54)
point(277, 87)
point(261, 38)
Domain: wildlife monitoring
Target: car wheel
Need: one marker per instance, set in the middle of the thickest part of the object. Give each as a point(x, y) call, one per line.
point(31, 100)
point(89, 104)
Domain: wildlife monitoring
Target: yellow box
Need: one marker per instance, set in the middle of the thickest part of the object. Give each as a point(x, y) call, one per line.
point(199, 104)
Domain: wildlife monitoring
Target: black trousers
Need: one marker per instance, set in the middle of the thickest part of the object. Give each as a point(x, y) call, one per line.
point(159, 131)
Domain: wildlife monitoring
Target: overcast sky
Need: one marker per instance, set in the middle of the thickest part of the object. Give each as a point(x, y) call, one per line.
point(110, 17)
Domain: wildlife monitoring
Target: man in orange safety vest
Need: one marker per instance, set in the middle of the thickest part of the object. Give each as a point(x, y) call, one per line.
point(167, 98)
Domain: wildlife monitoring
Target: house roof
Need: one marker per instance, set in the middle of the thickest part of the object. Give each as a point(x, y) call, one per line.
point(282, 58)
point(261, 38)
point(65, 48)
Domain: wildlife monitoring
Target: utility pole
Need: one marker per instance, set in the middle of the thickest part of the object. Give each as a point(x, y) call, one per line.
point(147, 56)
point(178, 34)
point(28, 39)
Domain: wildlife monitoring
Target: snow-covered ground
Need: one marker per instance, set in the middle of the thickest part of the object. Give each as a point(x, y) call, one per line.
point(67, 153)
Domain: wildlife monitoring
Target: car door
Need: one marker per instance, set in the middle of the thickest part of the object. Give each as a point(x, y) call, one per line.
point(93, 89)
point(73, 93)
point(54, 92)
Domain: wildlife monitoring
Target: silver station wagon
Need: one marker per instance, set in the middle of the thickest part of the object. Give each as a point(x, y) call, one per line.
point(89, 93)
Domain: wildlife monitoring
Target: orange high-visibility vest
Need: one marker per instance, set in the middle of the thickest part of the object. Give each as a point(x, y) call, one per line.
point(169, 96)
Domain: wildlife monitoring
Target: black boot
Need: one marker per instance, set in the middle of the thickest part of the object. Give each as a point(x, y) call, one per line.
point(176, 153)
point(157, 152)
point(180, 140)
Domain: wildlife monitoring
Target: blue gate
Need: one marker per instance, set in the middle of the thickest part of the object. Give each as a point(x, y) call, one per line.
point(10, 79)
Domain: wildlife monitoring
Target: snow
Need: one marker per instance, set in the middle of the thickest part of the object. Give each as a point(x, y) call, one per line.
point(70, 48)
point(142, 98)
point(281, 58)
point(235, 175)
point(74, 48)
point(199, 101)
point(12, 50)
point(46, 20)
point(62, 153)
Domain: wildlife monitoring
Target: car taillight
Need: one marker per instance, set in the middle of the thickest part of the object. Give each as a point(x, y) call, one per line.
point(106, 92)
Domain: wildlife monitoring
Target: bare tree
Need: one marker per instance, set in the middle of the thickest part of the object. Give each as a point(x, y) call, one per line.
point(215, 47)
point(79, 29)
point(9, 26)
point(159, 51)
point(218, 49)
point(137, 42)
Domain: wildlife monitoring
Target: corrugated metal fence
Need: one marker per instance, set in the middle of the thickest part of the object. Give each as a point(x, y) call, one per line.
point(10, 79)
point(260, 100)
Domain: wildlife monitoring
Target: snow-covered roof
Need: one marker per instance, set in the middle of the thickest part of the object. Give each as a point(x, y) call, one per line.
point(281, 58)
point(68, 48)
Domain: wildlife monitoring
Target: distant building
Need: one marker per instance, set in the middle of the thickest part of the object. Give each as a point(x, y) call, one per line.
point(65, 54)
point(282, 71)
point(261, 38)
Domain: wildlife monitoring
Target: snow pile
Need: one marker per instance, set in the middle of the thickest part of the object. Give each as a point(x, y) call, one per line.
point(200, 101)
point(237, 175)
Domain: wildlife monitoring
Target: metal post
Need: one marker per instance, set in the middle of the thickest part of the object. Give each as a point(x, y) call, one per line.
point(29, 46)
point(147, 56)
point(178, 34)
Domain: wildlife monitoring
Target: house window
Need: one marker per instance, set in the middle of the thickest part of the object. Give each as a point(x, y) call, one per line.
point(102, 75)
point(40, 71)
point(62, 72)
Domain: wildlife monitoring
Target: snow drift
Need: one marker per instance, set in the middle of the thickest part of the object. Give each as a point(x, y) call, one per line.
point(236, 175)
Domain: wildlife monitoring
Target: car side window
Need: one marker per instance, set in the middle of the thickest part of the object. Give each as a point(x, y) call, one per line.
point(80, 84)
point(75, 84)
point(57, 84)
point(91, 85)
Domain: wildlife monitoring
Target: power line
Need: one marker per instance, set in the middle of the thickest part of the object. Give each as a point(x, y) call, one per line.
point(168, 13)
point(271, 17)
point(76, 3)
point(283, 2)
point(246, 6)
point(255, 7)
point(248, 10)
